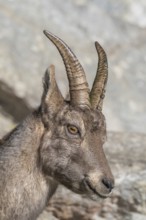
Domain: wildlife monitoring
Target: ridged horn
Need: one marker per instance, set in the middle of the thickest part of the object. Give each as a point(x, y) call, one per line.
point(98, 90)
point(78, 86)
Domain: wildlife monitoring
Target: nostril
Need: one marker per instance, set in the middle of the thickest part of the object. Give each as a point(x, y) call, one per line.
point(108, 184)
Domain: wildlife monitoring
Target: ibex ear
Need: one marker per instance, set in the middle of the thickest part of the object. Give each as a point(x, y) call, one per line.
point(52, 99)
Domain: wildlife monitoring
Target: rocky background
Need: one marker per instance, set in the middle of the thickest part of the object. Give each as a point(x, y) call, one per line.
point(120, 27)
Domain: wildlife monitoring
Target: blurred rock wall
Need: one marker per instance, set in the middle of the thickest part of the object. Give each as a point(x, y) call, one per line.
point(120, 26)
point(25, 53)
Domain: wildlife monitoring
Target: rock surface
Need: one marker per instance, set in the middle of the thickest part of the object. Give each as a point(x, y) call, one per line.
point(120, 26)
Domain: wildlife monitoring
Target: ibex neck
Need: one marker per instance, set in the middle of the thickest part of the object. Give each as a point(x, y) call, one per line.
point(24, 185)
point(27, 133)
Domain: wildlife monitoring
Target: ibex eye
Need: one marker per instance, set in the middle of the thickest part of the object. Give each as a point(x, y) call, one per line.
point(72, 129)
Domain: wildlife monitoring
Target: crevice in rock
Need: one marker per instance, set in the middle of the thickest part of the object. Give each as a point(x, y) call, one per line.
point(11, 104)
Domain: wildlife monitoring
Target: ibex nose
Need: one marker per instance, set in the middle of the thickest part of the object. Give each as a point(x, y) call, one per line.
point(109, 184)
point(99, 184)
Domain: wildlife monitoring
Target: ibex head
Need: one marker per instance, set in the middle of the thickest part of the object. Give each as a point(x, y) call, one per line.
point(75, 130)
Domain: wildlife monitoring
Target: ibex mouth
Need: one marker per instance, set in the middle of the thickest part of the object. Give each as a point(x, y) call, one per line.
point(93, 190)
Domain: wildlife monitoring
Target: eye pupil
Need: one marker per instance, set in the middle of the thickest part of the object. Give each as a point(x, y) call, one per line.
point(72, 129)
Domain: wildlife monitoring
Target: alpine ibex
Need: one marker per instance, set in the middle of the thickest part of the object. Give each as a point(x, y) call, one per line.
point(60, 142)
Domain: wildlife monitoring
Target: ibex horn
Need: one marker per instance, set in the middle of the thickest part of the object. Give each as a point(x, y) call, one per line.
point(98, 90)
point(78, 86)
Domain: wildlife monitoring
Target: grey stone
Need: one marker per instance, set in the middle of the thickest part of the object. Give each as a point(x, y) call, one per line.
point(6, 124)
point(118, 25)
point(136, 216)
point(46, 216)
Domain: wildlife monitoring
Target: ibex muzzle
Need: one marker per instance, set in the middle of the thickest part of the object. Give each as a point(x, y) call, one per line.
point(61, 142)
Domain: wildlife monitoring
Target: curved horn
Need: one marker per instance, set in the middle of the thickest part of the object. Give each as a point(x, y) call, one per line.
point(78, 86)
point(98, 90)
